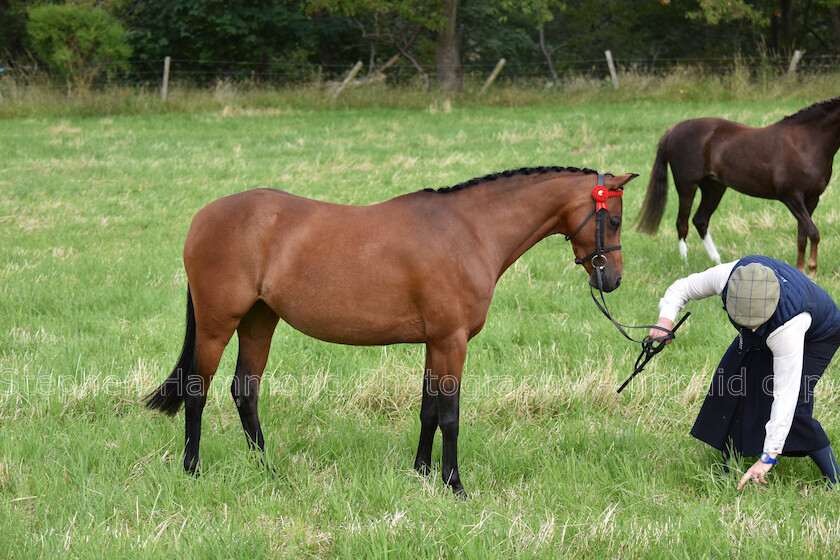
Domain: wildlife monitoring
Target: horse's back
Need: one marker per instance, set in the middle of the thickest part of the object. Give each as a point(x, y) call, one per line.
point(698, 132)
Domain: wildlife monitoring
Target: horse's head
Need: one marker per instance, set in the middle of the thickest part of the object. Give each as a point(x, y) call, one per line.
point(596, 239)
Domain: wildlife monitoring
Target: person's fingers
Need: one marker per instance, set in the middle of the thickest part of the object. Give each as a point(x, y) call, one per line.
point(662, 328)
point(655, 333)
point(756, 476)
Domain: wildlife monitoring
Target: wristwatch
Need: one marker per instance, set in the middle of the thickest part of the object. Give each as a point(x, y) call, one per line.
point(767, 459)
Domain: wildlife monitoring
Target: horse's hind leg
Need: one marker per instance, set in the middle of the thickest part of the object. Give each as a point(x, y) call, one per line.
point(686, 196)
point(428, 422)
point(211, 340)
point(254, 332)
point(710, 194)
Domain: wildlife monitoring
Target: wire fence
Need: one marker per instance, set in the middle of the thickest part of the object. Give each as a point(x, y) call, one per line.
point(149, 73)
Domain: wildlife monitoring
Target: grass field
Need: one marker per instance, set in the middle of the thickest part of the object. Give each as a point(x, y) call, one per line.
point(93, 214)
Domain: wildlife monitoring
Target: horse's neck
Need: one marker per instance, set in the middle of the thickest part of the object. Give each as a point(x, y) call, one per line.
point(518, 216)
point(831, 128)
point(825, 129)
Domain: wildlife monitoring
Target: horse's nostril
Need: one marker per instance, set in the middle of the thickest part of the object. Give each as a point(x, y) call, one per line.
point(618, 282)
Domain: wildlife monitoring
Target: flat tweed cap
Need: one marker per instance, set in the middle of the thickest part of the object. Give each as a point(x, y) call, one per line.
point(752, 295)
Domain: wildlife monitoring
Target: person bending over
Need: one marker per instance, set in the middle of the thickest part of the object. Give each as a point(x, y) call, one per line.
point(761, 399)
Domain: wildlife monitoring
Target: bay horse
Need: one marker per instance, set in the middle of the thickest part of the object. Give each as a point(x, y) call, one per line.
point(789, 161)
point(419, 268)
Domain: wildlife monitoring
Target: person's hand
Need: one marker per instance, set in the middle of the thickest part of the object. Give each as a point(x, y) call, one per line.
point(755, 473)
point(657, 333)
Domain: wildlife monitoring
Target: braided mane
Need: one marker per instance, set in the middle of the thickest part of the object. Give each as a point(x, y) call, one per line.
point(818, 109)
point(508, 173)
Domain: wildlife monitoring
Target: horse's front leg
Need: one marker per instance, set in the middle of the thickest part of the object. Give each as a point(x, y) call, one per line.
point(447, 358)
point(428, 421)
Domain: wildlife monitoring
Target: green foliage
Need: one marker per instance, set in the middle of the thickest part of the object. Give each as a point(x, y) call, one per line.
point(488, 34)
point(215, 31)
point(13, 24)
point(77, 42)
point(538, 11)
point(426, 14)
point(717, 11)
point(270, 36)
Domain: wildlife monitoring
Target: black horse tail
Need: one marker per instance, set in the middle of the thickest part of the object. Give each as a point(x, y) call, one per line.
point(657, 192)
point(170, 395)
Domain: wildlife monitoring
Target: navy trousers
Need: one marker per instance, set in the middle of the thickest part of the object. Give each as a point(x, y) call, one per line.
point(737, 405)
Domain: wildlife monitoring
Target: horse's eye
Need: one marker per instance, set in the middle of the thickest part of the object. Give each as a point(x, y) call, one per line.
point(615, 221)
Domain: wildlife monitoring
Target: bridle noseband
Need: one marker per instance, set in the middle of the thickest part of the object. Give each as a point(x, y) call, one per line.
point(598, 261)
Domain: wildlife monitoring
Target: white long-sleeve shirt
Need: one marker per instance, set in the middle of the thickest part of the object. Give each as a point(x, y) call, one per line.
point(786, 343)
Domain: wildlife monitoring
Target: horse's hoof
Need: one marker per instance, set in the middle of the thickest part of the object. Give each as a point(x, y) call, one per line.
point(192, 468)
point(422, 469)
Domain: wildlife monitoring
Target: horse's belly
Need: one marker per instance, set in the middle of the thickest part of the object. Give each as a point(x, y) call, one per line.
point(347, 324)
point(362, 308)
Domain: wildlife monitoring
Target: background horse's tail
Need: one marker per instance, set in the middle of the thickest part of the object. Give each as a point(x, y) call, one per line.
point(654, 205)
point(170, 395)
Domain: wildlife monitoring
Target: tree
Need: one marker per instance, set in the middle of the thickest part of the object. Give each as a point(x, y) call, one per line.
point(537, 13)
point(214, 30)
point(77, 42)
point(13, 24)
point(791, 24)
point(395, 25)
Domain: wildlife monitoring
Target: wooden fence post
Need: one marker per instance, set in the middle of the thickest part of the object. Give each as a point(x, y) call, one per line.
point(164, 90)
point(493, 75)
point(797, 56)
point(347, 79)
point(613, 73)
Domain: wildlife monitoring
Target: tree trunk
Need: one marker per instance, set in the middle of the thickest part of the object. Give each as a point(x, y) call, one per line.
point(834, 11)
point(446, 57)
point(547, 56)
point(781, 27)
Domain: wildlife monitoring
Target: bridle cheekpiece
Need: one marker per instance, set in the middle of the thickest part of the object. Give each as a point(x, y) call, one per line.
point(601, 194)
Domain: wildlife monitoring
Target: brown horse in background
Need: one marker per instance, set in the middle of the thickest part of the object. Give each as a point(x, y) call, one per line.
point(788, 161)
point(420, 268)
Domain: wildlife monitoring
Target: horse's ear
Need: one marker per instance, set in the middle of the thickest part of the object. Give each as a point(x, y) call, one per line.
point(618, 181)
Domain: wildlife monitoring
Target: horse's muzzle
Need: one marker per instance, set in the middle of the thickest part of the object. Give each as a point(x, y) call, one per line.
point(609, 281)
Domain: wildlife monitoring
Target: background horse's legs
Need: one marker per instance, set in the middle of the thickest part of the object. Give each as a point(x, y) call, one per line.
point(448, 358)
point(811, 205)
point(428, 421)
point(806, 230)
point(710, 194)
point(254, 332)
point(686, 196)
